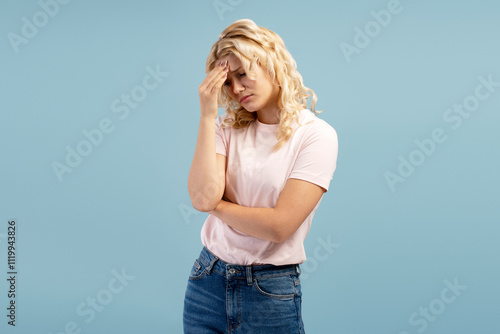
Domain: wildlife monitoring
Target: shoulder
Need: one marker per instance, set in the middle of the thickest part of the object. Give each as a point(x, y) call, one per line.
point(220, 119)
point(313, 127)
point(220, 127)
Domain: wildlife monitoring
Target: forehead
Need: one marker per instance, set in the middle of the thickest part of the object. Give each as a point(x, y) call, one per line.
point(234, 62)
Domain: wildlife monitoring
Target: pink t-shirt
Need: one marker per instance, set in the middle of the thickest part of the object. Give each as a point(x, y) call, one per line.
point(255, 176)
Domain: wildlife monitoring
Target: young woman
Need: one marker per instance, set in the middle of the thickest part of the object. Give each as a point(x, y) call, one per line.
point(260, 172)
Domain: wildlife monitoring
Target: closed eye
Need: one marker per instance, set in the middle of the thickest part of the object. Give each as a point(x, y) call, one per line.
point(229, 82)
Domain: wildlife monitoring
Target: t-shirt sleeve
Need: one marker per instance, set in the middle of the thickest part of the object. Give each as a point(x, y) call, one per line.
point(220, 139)
point(317, 158)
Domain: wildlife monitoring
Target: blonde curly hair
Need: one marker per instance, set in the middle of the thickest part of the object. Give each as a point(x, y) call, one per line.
point(253, 45)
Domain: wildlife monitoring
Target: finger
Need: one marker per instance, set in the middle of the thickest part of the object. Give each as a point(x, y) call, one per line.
point(220, 82)
point(216, 74)
point(213, 75)
point(216, 83)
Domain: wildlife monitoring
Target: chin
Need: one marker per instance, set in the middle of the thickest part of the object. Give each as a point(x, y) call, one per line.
point(249, 110)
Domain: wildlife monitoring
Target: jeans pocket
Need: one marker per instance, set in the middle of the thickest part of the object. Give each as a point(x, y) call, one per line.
point(280, 287)
point(198, 270)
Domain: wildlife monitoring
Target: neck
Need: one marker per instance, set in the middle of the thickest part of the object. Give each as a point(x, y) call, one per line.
point(268, 116)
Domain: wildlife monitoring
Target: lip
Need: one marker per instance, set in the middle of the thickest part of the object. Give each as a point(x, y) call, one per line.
point(245, 98)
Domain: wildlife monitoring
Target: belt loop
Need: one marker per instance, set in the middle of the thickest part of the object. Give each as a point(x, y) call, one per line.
point(211, 265)
point(248, 270)
point(298, 267)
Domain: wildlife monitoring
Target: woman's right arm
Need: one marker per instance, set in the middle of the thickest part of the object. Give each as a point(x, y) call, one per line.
point(206, 181)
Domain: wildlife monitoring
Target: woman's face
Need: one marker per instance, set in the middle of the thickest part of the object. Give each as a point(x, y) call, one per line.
point(263, 94)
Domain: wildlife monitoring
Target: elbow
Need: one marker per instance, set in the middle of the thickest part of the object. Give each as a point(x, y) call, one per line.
point(280, 234)
point(203, 201)
point(284, 228)
point(280, 238)
point(203, 206)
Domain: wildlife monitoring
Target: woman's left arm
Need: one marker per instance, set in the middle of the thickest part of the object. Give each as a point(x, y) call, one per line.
point(294, 204)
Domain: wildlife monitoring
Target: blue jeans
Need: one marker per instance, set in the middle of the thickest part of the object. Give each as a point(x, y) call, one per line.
point(228, 298)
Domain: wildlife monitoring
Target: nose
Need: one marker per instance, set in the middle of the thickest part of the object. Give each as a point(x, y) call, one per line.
point(237, 87)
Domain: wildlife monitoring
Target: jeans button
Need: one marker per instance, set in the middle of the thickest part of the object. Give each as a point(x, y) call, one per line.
point(232, 271)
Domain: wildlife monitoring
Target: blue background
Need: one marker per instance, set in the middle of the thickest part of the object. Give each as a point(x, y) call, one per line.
point(125, 207)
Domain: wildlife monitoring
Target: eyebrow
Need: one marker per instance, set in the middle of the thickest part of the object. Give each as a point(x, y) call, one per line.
point(235, 70)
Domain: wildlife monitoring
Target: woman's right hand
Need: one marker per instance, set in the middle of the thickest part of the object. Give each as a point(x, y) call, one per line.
point(209, 90)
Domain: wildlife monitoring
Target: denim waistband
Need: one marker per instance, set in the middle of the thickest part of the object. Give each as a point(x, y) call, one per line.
point(236, 271)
